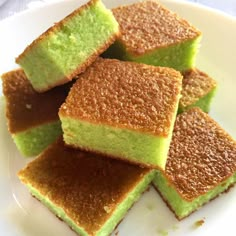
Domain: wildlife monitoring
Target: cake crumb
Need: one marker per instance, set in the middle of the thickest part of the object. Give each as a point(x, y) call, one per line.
point(28, 106)
point(163, 232)
point(116, 232)
point(107, 209)
point(150, 206)
point(199, 223)
point(175, 227)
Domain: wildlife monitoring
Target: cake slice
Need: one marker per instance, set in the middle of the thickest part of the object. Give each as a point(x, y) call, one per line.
point(201, 163)
point(198, 90)
point(32, 117)
point(68, 47)
point(125, 110)
point(90, 193)
point(154, 35)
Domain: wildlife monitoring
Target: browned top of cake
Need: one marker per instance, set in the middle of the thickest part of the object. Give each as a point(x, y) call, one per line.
point(125, 95)
point(147, 25)
point(201, 155)
point(86, 186)
point(196, 84)
point(25, 108)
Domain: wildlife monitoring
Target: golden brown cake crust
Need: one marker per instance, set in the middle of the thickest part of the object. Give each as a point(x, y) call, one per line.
point(87, 186)
point(25, 108)
point(196, 84)
point(125, 95)
point(201, 156)
point(147, 26)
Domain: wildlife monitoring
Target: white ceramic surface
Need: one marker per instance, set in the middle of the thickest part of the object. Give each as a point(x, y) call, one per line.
point(22, 215)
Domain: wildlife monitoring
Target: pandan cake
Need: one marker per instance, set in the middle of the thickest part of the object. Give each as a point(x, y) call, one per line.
point(32, 117)
point(90, 193)
point(125, 110)
point(154, 35)
point(201, 163)
point(198, 90)
point(68, 47)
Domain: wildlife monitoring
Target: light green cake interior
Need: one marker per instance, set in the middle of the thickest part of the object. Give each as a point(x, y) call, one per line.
point(180, 57)
point(33, 141)
point(63, 51)
point(204, 103)
point(111, 223)
point(181, 207)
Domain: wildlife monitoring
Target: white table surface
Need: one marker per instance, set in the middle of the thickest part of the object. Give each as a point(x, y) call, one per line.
point(11, 7)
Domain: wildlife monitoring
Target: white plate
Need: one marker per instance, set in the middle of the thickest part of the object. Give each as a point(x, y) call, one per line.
point(20, 214)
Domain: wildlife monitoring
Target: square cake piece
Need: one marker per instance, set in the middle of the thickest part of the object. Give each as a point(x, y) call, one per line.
point(68, 47)
point(154, 35)
point(90, 193)
point(124, 110)
point(32, 117)
point(198, 90)
point(201, 163)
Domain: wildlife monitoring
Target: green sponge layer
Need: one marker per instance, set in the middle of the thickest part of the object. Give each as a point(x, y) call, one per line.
point(33, 141)
point(179, 205)
point(180, 56)
point(120, 143)
point(70, 46)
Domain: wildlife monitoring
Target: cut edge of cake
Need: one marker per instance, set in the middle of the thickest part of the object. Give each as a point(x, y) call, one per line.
point(33, 141)
point(163, 143)
point(181, 207)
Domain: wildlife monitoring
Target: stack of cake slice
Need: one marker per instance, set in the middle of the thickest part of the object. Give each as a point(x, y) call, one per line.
point(124, 110)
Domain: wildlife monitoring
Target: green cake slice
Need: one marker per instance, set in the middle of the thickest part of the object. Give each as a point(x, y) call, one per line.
point(154, 35)
point(90, 193)
point(125, 110)
point(201, 163)
point(32, 117)
point(68, 47)
point(198, 90)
